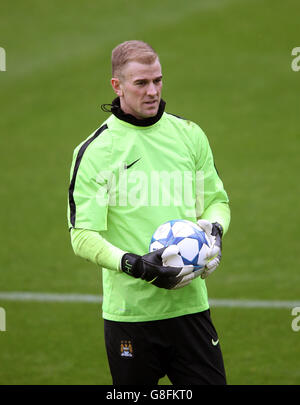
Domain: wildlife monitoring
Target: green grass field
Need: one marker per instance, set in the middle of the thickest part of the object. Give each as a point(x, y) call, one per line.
point(226, 66)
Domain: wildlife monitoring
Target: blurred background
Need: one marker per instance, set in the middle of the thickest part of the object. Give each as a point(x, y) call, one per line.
point(227, 65)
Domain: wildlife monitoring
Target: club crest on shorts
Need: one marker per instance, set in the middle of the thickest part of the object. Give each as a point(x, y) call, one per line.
point(126, 349)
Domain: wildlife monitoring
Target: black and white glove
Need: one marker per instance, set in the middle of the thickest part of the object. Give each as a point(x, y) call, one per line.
point(151, 268)
point(214, 233)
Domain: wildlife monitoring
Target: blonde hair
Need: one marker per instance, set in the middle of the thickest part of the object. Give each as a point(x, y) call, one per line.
point(129, 51)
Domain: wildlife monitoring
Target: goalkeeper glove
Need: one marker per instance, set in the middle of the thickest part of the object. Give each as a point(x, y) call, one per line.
point(214, 233)
point(151, 268)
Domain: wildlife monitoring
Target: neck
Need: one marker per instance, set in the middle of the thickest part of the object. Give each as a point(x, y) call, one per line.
point(144, 122)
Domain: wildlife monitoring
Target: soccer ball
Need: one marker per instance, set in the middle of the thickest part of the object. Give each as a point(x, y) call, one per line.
point(192, 243)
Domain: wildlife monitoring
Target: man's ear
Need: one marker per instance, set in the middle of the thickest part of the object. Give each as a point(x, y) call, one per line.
point(116, 85)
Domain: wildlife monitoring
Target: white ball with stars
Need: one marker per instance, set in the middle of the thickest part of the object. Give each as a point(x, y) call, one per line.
point(190, 240)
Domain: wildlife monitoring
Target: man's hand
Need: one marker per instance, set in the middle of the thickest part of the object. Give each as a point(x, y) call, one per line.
point(151, 268)
point(214, 233)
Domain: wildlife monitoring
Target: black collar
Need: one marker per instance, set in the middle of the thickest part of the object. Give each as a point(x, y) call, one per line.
point(119, 113)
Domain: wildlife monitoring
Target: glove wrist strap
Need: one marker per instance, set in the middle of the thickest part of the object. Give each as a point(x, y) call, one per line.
point(130, 265)
point(217, 229)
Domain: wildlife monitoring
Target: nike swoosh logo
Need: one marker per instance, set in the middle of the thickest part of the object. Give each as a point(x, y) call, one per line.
point(215, 342)
point(131, 164)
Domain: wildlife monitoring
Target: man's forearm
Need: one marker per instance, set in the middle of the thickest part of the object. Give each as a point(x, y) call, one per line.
point(90, 245)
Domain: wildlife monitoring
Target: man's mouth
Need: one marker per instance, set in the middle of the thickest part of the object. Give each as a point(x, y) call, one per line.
point(151, 102)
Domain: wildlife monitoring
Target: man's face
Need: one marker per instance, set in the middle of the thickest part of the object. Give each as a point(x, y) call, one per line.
point(139, 89)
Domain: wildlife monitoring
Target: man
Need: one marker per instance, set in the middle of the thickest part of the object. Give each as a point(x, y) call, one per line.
point(126, 180)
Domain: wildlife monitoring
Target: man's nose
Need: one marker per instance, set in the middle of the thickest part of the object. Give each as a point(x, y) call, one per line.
point(151, 90)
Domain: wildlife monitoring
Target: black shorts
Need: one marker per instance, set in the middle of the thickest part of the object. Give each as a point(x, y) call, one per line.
point(186, 349)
